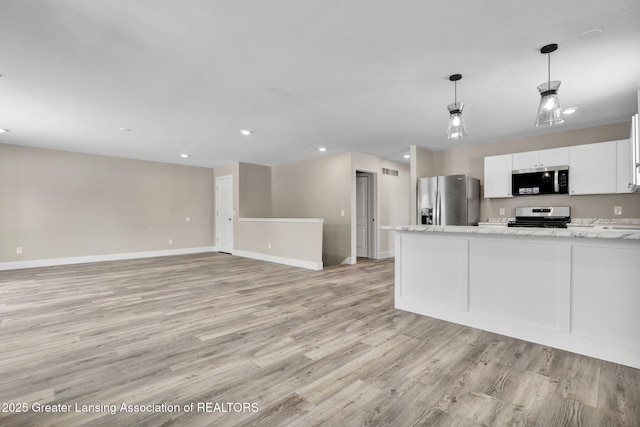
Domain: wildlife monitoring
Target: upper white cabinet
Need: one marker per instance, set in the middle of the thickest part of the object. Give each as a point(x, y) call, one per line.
point(541, 158)
point(592, 168)
point(554, 157)
point(624, 166)
point(526, 160)
point(497, 176)
point(634, 139)
point(600, 168)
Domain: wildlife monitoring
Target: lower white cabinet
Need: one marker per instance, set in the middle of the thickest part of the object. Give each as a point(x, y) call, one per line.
point(574, 293)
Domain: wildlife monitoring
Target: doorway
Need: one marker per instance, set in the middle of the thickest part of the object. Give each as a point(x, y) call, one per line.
point(224, 213)
point(366, 212)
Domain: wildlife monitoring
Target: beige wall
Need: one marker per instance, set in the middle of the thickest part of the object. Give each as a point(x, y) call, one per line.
point(289, 240)
point(318, 188)
point(470, 160)
point(392, 195)
point(255, 191)
point(57, 204)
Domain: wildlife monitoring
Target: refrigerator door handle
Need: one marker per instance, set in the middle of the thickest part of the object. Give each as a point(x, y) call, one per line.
point(438, 219)
point(434, 213)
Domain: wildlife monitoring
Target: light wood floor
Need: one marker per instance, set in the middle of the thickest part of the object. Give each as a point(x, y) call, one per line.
point(306, 348)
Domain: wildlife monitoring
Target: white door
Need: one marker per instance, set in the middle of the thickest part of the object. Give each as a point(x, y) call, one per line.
point(362, 216)
point(224, 213)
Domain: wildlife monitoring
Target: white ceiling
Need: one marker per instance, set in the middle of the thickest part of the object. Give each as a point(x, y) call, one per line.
point(366, 75)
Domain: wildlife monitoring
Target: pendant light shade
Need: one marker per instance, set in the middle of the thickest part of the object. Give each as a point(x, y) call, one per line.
point(456, 129)
point(549, 110)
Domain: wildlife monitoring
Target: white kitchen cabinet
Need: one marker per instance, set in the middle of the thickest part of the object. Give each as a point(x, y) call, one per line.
point(569, 291)
point(624, 169)
point(541, 158)
point(592, 168)
point(526, 160)
point(497, 176)
point(554, 157)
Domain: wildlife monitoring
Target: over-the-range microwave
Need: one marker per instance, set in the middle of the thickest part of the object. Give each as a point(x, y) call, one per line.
point(547, 180)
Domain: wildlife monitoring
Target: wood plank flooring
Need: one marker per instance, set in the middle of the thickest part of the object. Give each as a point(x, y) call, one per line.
point(256, 343)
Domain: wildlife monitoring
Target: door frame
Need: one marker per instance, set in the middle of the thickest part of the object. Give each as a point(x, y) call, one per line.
point(374, 227)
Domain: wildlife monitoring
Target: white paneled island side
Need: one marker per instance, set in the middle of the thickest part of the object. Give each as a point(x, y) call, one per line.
point(575, 289)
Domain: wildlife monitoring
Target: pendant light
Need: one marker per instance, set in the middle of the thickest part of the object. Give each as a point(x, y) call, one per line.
point(549, 111)
point(456, 129)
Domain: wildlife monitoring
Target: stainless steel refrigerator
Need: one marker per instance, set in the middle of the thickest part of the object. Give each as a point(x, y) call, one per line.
point(449, 200)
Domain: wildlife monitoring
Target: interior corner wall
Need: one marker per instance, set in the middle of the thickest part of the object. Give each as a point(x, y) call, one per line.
point(318, 188)
point(470, 160)
point(254, 191)
point(393, 196)
point(422, 165)
point(57, 204)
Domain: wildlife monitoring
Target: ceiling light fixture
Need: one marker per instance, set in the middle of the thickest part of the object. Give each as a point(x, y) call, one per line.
point(591, 34)
point(407, 156)
point(246, 132)
point(185, 155)
point(569, 110)
point(323, 149)
point(549, 111)
point(456, 129)
point(125, 129)
point(4, 130)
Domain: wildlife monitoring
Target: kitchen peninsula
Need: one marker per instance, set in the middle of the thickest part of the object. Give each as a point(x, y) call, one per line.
point(576, 289)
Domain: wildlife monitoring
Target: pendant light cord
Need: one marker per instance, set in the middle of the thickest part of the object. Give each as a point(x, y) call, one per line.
point(455, 92)
point(549, 72)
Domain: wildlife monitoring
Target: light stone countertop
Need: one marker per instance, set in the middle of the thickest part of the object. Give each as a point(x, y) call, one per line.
point(600, 231)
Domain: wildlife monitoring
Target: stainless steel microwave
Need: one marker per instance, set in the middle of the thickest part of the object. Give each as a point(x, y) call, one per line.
point(547, 180)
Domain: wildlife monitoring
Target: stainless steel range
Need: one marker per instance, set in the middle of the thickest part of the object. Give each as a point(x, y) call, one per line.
point(542, 216)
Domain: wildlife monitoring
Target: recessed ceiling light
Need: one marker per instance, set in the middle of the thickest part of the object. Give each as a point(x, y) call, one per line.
point(4, 130)
point(323, 149)
point(570, 110)
point(246, 132)
point(591, 34)
point(407, 156)
point(184, 155)
point(125, 130)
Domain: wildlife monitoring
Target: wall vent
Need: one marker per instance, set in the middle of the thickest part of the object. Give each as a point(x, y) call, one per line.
point(391, 172)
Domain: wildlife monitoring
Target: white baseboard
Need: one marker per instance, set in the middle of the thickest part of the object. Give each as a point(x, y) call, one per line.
point(383, 255)
point(311, 265)
point(14, 265)
point(348, 261)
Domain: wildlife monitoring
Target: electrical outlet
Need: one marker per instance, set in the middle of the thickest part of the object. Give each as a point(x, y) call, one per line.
point(19, 250)
point(501, 211)
point(268, 245)
point(617, 210)
point(342, 212)
point(171, 241)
